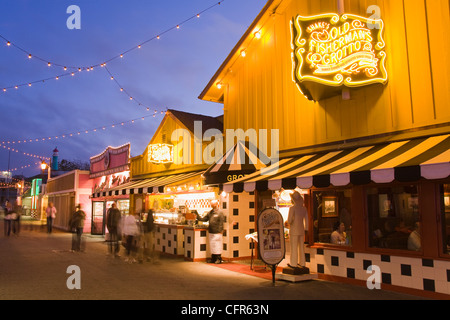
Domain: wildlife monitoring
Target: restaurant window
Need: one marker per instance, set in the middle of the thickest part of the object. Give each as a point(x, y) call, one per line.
point(333, 217)
point(445, 208)
point(394, 221)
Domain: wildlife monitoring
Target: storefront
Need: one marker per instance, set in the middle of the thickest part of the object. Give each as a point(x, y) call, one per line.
point(109, 171)
point(167, 178)
point(360, 102)
point(66, 191)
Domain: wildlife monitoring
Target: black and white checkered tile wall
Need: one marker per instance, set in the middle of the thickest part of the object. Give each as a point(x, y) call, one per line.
point(414, 273)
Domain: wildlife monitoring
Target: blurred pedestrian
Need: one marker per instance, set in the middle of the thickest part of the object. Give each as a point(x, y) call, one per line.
point(148, 252)
point(7, 220)
point(113, 217)
point(51, 215)
point(77, 225)
point(15, 219)
point(130, 230)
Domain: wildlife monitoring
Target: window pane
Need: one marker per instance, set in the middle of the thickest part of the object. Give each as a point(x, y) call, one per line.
point(445, 205)
point(394, 218)
point(332, 216)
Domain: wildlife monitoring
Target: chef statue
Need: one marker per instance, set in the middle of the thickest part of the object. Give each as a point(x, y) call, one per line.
point(216, 220)
point(297, 219)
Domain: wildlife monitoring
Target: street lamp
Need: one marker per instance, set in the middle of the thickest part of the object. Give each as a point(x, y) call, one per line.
point(44, 166)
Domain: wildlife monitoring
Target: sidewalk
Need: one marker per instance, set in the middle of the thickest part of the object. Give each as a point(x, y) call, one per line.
point(34, 266)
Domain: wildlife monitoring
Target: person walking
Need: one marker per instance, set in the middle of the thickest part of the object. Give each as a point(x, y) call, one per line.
point(7, 219)
point(130, 230)
point(148, 251)
point(77, 226)
point(113, 217)
point(51, 215)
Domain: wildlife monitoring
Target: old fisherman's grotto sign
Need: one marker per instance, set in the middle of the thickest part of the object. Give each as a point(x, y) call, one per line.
point(332, 51)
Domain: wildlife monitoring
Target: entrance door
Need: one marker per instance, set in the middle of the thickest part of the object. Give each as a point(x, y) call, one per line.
point(98, 218)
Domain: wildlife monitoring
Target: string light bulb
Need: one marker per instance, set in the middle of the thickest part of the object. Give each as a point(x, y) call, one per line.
point(243, 53)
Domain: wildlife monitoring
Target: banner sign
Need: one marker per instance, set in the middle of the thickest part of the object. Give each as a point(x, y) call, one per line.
point(160, 153)
point(271, 243)
point(110, 161)
point(336, 51)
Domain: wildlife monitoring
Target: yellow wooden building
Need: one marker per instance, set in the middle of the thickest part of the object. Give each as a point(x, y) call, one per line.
point(377, 153)
point(258, 90)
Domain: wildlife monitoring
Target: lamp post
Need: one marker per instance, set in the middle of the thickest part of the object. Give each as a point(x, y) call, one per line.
point(44, 166)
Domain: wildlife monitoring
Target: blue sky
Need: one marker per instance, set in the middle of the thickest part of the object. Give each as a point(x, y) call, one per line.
point(167, 73)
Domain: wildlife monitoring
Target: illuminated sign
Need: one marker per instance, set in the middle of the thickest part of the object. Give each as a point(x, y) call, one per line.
point(35, 191)
point(110, 161)
point(336, 51)
point(160, 153)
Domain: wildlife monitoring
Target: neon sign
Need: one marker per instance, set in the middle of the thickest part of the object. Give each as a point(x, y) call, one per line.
point(160, 153)
point(337, 51)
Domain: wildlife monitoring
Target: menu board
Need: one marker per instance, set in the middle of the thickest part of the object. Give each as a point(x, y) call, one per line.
point(271, 243)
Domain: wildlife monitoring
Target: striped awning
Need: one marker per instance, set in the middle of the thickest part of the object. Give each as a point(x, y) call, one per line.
point(243, 158)
point(151, 185)
point(404, 161)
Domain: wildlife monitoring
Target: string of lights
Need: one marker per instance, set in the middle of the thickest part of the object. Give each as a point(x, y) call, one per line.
point(88, 68)
point(130, 97)
point(72, 134)
point(20, 168)
point(24, 153)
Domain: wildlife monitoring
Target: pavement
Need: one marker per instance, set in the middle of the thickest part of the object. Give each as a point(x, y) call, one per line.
point(35, 265)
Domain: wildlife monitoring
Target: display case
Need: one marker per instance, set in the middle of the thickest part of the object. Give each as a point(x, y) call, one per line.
point(181, 208)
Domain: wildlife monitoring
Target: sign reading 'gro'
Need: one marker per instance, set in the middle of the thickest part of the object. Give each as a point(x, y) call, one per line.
point(335, 51)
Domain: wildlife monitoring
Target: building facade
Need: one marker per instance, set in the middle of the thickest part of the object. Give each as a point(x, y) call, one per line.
point(360, 101)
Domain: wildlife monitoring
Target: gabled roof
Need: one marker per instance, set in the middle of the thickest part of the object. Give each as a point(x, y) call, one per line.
point(188, 119)
point(214, 93)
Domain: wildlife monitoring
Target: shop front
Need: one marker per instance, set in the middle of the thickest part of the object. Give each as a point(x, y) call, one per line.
point(65, 192)
point(168, 179)
point(363, 124)
point(109, 170)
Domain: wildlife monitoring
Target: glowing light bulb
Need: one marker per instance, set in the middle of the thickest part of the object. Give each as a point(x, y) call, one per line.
point(243, 53)
point(258, 35)
point(29, 56)
point(8, 43)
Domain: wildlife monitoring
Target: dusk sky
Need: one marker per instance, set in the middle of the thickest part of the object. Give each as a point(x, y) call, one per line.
point(168, 73)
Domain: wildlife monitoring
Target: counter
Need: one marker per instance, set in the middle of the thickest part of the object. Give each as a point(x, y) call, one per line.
point(185, 241)
point(196, 243)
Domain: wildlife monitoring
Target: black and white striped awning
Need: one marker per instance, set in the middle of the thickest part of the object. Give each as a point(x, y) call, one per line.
point(404, 161)
point(243, 158)
point(151, 185)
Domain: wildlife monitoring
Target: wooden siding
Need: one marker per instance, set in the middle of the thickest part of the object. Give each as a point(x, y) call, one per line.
point(259, 91)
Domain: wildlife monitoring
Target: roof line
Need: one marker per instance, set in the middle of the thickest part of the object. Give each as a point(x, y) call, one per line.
point(236, 48)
